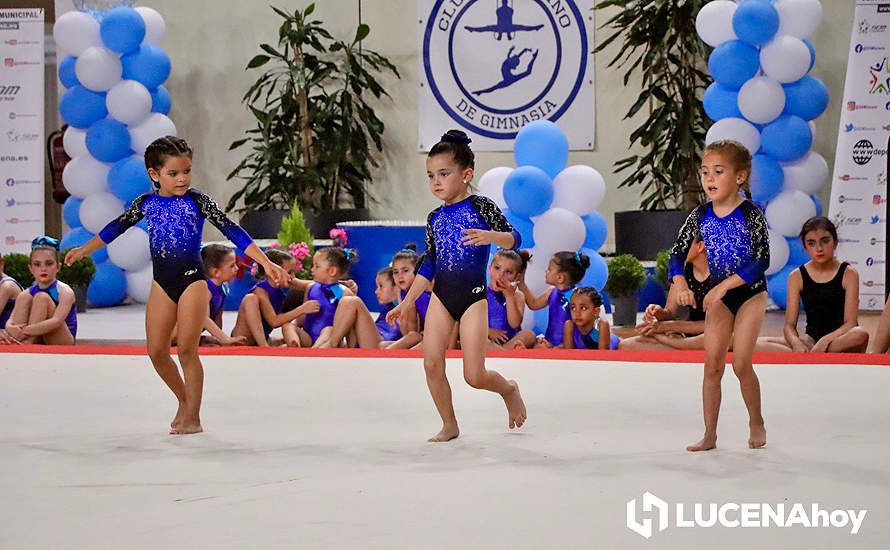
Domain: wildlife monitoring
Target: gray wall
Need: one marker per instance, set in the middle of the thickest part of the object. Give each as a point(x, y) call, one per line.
point(210, 42)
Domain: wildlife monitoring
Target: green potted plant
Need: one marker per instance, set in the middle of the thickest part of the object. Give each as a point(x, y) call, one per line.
point(16, 266)
point(316, 136)
point(626, 277)
point(660, 48)
point(662, 259)
point(78, 276)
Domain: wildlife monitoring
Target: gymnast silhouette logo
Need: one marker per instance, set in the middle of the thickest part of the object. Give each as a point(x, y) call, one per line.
point(495, 65)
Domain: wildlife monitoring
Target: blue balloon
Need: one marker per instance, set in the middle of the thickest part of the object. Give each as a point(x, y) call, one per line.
point(81, 107)
point(818, 202)
point(787, 138)
point(67, 76)
point(108, 140)
point(100, 255)
point(595, 230)
point(528, 191)
point(798, 254)
point(74, 238)
point(160, 100)
point(122, 29)
point(542, 319)
point(128, 179)
point(149, 65)
point(767, 178)
point(806, 98)
point(733, 63)
point(542, 144)
point(777, 285)
point(755, 22)
point(71, 212)
point(109, 285)
point(524, 226)
point(598, 272)
point(812, 52)
point(720, 102)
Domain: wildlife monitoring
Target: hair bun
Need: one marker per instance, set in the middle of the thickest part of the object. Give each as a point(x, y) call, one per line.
point(456, 136)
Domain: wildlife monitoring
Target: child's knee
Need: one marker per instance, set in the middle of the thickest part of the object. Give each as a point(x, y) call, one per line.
point(434, 366)
point(187, 350)
point(474, 378)
point(249, 300)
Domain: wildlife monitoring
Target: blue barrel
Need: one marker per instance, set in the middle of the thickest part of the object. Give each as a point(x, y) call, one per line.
point(376, 242)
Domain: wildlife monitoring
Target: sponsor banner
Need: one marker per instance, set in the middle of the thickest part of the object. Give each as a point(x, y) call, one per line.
point(859, 187)
point(488, 67)
point(22, 153)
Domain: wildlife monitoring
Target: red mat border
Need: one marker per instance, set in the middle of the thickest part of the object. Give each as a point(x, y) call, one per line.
point(636, 356)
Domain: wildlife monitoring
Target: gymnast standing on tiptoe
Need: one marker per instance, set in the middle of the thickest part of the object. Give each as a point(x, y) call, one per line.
point(175, 214)
point(458, 236)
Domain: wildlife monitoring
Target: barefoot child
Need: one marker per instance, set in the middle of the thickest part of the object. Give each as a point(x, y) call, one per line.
point(329, 266)
point(563, 272)
point(506, 303)
point(221, 269)
point(586, 329)
point(458, 236)
point(9, 289)
point(45, 312)
point(735, 236)
point(353, 321)
point(175, 214)
point(404, 270)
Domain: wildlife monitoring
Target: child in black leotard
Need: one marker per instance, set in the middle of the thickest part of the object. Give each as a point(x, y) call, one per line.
point(829, 289)
point(175, 214)
point(458, 236)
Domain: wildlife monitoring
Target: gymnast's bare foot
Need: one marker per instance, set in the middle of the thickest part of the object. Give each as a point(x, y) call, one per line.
point(757, 439)
point(515, 406)
point(447, 433)
point(187, 427)
point(177, 420)
point(518, 344)
point(706, 444)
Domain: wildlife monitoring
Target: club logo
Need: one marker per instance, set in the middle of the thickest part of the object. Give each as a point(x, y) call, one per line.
point(476, 54)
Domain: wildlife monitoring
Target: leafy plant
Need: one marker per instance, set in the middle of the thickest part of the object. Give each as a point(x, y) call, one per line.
point(16, 266)
point(316, 137)
point(293, 228)
point(80, 273)
point(661, 267)
point(660, 45)
point(626, 276)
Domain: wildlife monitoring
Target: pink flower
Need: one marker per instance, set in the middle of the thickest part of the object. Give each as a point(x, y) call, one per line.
point(275, 244)
point(253, 269)
point(339, 237)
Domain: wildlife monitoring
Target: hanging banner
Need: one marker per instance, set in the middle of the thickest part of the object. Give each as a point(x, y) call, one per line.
point(488, 67)
point(21, 128)
point(859, 187)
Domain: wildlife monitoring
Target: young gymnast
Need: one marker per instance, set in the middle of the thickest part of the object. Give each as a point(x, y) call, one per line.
point(881, 343)
point(262, 308)
point(829, 289)
point(175, 214)
point(506, 303)
point(221, 269)
point(586, 329)
point(735, 236)
point(563, 272)
point(404, 268)
point(45, 312)
point(458, 236)
point(663, 328)
point(9, 290)
point(329, 266)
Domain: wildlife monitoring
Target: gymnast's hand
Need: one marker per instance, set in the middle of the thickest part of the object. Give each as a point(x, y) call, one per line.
point(278, 275)
point(395, 314)
point(477, 237)
point(74, 254)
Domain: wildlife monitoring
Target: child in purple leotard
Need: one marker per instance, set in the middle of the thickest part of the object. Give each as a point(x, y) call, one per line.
point(586, 329)
point(506, 303)
point(9, 289)
point(329, 267)
point(404, 270)
point(564, 271)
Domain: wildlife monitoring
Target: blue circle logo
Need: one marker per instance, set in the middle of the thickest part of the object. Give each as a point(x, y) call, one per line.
point(496, 65)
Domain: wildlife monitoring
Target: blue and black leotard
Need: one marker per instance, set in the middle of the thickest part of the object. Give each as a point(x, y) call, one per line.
point(458, 269)
point(736, 244)
point(174, 233)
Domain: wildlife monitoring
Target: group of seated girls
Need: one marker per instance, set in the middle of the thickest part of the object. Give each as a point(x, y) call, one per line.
point(326, 312)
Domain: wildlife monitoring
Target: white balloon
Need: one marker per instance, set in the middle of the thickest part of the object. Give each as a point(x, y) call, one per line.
point(129, 102)
point(534, 273)
point(785, 58)
point(75, 31)
point(75, 142)
point(491, 184)
point(154, 127)
point(98, 209)
point(737, 129)
point(798, 18)
point(788, 211)
point(130, 251)
point(579, 189)
point(714, 22)
point(85, 175)
point(154, 25)
point(808, 174)
point(139, 283)
point(778, 252)
point(98, 69)
point(761, 100)
point(558, 229)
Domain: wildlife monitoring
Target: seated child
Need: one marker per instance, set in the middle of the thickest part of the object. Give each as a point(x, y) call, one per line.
point(9, 289)
point(829, 289)
point(586, 330)
point(882, 334)
point(45, 312)
point(329, 266)
point(506, 303)
point(221, 269)
point(564, 271)
point(404, 270)
point(260, 310)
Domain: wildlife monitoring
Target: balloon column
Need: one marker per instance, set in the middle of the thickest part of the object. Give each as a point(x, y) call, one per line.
point(114, 105)
point(763, 97)
point(552, 206)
